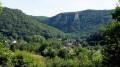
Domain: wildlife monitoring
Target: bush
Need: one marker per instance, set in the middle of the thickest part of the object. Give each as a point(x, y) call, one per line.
point(20, 59)
point(58, 62)
point(25, 59)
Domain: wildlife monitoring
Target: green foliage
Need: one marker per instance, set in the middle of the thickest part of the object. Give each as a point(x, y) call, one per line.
point(112, 33)
point(116, 14)
point(112, 50)
point(97, 38)
point(14, 24)
point(64, 53)
point(50, 48)
point(34, 36)
point(109, 38)
point(0, 8)
point(108, 35)
point(58, 62)
point(36, 39)
point(31, 47)
point(112, 55)
point(80, 57)
point(41, 18)
point(50, 52)
point(83, 23)
point(24, 59)
point(57, 55)
point(19, 58)
point(89, 57)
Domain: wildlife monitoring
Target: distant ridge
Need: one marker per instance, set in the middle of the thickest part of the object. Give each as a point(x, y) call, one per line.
point(82, 23)
point(14, 24)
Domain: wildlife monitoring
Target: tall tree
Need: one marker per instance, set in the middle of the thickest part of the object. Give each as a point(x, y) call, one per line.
point(112, 50)
point(116, 14)
point(0, 8)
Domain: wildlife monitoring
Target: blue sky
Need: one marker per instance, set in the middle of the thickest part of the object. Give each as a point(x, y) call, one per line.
point(53, 7)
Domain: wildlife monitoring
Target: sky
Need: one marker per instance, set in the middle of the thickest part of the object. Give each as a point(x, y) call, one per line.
point(52, 7)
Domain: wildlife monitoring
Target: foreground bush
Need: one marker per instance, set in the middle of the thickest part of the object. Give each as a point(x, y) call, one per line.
point(20, 59)
point(59, 62)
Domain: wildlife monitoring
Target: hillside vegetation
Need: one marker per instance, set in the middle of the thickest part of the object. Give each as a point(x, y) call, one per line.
point(27, 42)
point(109, 39)
point(14, 24)
point(83, 23)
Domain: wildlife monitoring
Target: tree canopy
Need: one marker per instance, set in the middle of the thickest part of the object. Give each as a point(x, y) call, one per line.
point(0, 8)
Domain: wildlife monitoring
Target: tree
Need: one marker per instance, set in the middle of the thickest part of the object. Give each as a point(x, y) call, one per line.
point(36, 38)
point(111, 52)
point(64, 53)
point(112, 55)
point(0, 8)
point(49, 51)
point(116, 14)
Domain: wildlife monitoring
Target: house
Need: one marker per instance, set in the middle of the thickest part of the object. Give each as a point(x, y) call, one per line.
point(72, 45)
point(10, 42)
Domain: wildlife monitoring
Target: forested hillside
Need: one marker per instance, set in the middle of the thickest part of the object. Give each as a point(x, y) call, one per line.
point(109, 39)
point(14, 24)
point(29, 41)
point(82, 23)
point(41, 18)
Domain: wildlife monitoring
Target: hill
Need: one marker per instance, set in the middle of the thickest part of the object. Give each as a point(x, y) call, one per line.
point(83, 23)
point(40, 18)
point(14, 24)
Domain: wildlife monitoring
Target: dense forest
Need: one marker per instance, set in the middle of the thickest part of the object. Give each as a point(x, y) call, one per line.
point(88, 38)
point(14, 24)
point(83, 23)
